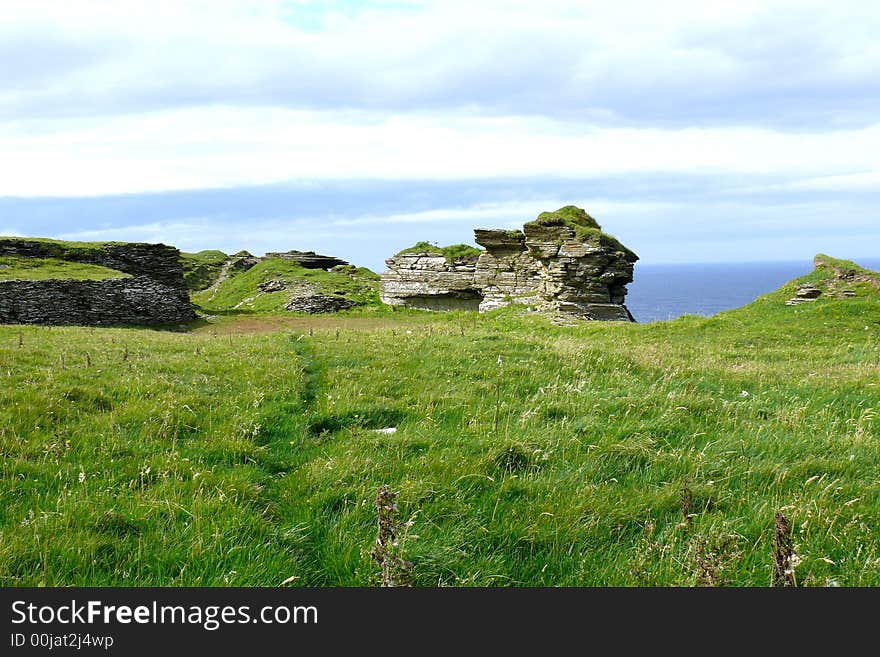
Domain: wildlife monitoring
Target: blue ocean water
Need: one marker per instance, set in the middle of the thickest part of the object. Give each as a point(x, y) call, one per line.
point(660, 292)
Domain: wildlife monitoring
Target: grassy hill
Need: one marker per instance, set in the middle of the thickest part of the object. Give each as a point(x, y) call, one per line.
point(241, 290)
point(524, 453)
point(202, 269)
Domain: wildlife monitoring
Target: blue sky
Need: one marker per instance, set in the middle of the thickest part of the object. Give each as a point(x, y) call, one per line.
point(693, 131)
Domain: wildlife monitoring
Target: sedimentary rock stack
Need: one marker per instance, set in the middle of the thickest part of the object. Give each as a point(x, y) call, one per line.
point(578, 276)
point(560, 263)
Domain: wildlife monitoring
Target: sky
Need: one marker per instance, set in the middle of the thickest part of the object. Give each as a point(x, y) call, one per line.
point(693, 131)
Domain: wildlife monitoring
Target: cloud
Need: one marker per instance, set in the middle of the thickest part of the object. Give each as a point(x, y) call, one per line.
point(772, 63)
point(219, 147)
point(359, 127)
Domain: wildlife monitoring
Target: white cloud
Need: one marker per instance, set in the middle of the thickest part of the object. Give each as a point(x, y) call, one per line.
point(127, 97)
point(222, 147)
point(863, 181)
point(681, 61)
point(509, 214)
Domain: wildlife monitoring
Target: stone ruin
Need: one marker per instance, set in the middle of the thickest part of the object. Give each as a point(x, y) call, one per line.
point(561, 263)
point(153, 293)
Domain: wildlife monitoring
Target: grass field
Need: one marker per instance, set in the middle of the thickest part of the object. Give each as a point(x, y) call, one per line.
point(246, 452)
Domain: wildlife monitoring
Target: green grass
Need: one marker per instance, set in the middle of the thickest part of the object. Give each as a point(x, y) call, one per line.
point(202, 269)
point(240, 292)
point(452, 252)
point(229, 458)
point(14, 267)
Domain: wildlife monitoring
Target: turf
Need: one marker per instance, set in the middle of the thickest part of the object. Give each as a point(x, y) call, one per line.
point(525, 453)
point(18, 268)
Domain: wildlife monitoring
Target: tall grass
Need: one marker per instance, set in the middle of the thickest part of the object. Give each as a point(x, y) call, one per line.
point(614, 454)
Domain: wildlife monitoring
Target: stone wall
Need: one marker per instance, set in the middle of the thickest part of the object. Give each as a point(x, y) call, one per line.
point(155, 294)
point(120, 301)
point(549, 265)
point(157, 261)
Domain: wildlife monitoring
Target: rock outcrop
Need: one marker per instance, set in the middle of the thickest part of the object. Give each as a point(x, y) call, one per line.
point(430, 281)
point(560, 263)
point(319, 303)
point(309, 259)
point(805, 294)
point(154, 294)
point(242, 261)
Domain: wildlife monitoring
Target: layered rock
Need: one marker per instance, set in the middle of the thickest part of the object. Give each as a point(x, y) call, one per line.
point(430, 281)
point(319, 303)
point(505, 272)
point(242, 261)
point(139, 300)
point(560, 263)
point(806, 293)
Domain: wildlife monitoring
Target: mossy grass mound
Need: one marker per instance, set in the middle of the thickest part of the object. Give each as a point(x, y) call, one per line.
point(569, 215)
point(585, 227)
point(452, 253)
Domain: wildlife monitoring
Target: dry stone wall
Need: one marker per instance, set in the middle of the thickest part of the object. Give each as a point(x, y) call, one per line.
point(155, 293)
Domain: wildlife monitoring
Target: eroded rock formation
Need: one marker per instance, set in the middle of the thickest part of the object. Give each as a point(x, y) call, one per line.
point(560, 263)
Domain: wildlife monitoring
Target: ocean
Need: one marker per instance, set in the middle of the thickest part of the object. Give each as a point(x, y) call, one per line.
point(661, 292)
